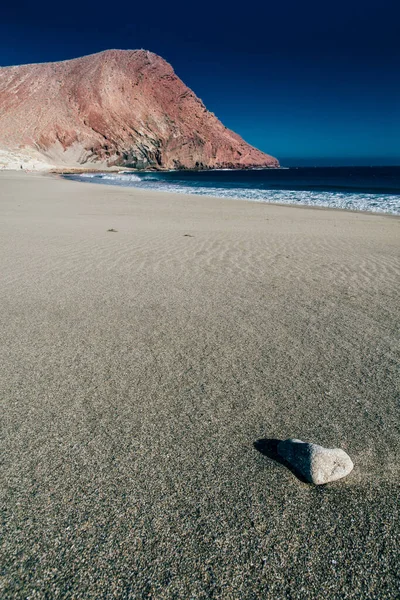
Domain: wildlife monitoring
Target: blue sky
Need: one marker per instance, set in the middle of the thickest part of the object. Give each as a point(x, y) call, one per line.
point(311, 82)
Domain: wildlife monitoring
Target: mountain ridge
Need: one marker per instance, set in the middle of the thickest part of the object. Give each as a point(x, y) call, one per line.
point(115, 108)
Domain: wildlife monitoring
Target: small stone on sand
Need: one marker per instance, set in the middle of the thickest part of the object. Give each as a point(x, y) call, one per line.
point(316, 464)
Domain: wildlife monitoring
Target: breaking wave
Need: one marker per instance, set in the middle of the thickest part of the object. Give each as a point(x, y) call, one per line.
point(258, 188)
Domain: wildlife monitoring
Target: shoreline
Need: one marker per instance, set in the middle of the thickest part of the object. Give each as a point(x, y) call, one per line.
point(229, 199)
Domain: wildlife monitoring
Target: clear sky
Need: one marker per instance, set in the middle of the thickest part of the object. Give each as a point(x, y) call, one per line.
point(310, 82)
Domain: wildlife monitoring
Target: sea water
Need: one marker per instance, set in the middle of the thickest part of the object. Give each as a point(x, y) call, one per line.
point(375, 189)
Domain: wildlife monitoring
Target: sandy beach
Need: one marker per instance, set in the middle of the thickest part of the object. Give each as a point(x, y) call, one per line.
point(140, 368)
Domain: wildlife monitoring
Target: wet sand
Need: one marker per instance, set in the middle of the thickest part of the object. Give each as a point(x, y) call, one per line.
point(140, 367)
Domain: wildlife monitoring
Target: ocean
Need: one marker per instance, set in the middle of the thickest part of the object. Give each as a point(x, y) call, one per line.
point(374, 189)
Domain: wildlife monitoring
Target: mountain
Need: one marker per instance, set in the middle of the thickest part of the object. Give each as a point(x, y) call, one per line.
point(116, 108)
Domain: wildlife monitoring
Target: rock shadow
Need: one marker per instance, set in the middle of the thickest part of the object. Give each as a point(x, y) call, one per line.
point(269, 447)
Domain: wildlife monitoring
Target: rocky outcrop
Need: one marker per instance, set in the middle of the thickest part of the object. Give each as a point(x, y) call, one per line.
point(118, 107)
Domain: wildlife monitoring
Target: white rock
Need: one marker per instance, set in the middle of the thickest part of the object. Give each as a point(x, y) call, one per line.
point(316, 464)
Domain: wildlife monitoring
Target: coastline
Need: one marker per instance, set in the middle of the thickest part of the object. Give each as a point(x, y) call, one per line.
point(64, 176)
point(359, 189)
point(140, 367)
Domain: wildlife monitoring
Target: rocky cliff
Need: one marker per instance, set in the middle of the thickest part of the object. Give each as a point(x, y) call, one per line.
point(116, 108)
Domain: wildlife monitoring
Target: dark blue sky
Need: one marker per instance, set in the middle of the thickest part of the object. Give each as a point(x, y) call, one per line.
point(309, 82)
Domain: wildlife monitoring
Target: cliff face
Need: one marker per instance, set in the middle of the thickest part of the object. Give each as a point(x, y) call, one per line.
point(118, 107)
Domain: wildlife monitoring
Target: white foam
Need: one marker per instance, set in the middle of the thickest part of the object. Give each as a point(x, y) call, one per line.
point(382, 203)
point(117, 177)
point(128, 178)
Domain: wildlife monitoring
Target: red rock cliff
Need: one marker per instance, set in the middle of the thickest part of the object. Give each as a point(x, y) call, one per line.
point(118, 107)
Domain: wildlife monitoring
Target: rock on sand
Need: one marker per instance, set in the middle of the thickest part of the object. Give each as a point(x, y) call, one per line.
point(316, 464)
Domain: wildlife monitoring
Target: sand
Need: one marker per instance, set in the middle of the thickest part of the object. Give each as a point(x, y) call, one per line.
point(140, 367)
point(28, 159)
